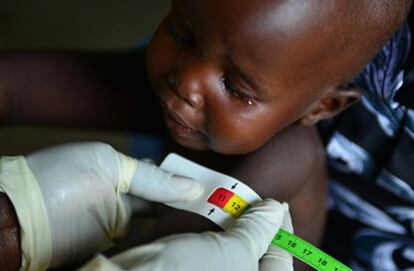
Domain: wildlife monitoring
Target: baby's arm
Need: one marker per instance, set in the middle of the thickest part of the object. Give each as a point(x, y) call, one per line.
point(289, 168)
point(292, 168)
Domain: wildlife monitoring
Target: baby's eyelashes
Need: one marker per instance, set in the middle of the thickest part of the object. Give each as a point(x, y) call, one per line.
point(178, 33)
point(233, 90)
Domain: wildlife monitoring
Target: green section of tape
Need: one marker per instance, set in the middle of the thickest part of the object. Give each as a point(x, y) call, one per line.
point(307, 252)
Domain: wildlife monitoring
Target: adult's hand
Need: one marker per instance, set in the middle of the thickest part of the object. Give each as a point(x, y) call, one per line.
point(71, 200)
point(239, 248)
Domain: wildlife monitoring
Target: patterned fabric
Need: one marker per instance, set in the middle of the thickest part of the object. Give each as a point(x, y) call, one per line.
point(370, 149)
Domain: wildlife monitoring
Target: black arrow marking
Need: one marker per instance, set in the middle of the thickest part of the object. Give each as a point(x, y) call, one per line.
point(211, 211)
point(234, 186)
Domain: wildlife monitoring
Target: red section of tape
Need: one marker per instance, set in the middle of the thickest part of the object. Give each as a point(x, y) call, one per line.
point(220, 197)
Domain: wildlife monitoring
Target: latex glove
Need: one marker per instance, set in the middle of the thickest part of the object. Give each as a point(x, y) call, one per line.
point(277, 258)
point(239, 248)
point(70, 200)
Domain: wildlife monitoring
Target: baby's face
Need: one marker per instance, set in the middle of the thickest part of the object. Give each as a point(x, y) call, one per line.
point(230, 74)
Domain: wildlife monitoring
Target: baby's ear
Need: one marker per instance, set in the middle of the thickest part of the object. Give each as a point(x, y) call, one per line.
point(331, 103)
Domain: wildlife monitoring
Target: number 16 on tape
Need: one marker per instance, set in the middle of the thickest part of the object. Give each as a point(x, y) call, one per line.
point(307, 252)
point(234, 205)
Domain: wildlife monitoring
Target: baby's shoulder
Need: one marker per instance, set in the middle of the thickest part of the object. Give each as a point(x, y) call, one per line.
point(286, 165)
point(281, 169)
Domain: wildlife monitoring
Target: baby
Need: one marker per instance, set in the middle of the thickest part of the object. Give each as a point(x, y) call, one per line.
point(232, 75)
point(242, 83)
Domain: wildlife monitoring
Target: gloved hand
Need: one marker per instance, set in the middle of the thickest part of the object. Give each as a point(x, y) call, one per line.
point(71, 199)
point(276, 258)
point(239, 248)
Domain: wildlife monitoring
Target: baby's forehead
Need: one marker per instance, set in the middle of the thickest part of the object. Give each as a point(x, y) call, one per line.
point(276, 27)
point(246, 21)
point(309, 32)
point(264, 14)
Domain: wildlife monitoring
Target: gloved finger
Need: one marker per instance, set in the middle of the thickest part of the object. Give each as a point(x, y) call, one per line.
point(155, 184)
point(257, 227)
point(277, 258)
point(139, 258)
point(287, 219)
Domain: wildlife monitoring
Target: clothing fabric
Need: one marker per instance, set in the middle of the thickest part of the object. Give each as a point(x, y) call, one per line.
point(18, 182)
point(370, 150)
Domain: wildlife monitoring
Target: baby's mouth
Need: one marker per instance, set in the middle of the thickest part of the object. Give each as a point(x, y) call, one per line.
point(170, 116)
point(177, 124)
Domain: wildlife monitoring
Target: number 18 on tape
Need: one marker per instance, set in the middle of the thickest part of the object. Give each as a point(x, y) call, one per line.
point(235, 205)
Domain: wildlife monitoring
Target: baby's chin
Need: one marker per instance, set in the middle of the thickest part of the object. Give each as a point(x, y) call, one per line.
point(212, 145)
point(232, 148)
point(224, 149)
point(201, 146)
point(191, 144)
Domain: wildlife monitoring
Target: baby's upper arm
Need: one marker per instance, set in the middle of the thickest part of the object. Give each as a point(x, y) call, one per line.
point(291, 167)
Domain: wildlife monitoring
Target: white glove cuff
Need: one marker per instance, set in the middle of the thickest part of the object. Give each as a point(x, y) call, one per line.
point(18, 182)
point(126, 171)
point(126, 168)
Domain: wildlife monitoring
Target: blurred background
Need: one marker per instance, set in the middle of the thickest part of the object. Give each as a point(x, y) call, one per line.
point(75, 24)
point(93, 24)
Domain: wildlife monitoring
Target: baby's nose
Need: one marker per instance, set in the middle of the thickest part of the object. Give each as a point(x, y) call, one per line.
point(187, 87)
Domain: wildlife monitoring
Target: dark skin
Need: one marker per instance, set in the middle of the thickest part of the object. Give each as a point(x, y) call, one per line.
point(9, 235)
point(223, 94)
point(71, 78)
point(262, 126)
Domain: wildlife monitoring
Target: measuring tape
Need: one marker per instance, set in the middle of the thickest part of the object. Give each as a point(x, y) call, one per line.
point(307, 252)
point(225, 199)
point(304, 251)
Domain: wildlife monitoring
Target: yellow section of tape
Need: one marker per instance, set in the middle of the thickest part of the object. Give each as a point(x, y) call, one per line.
point(236, 206)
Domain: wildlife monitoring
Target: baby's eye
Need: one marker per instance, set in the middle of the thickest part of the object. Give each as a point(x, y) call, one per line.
point(233, 90)
point(179, 36)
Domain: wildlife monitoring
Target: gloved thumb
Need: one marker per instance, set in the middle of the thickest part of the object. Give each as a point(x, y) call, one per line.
point(155, 184)
point(275, 257)
point(257, 227)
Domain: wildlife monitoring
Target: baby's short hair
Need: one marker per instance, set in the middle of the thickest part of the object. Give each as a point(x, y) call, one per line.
point(360, 28)
point(386, 17)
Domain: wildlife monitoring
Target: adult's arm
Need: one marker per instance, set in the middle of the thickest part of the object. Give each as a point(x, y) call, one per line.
point(10, 254)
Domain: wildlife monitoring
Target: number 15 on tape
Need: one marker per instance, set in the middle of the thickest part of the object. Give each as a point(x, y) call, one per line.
point(232, 202)
point(235, 205)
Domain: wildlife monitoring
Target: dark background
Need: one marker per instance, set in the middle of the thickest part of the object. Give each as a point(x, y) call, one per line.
point(93, 24)
point(72, 24)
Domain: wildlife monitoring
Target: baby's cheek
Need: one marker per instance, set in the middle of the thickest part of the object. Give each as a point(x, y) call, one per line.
point(232, 130)
point(161, 53)
point(157, 61)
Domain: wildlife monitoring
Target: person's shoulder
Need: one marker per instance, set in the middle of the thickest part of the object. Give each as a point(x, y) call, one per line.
point(280, 169)
point(284, 166)
point(291, 167)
